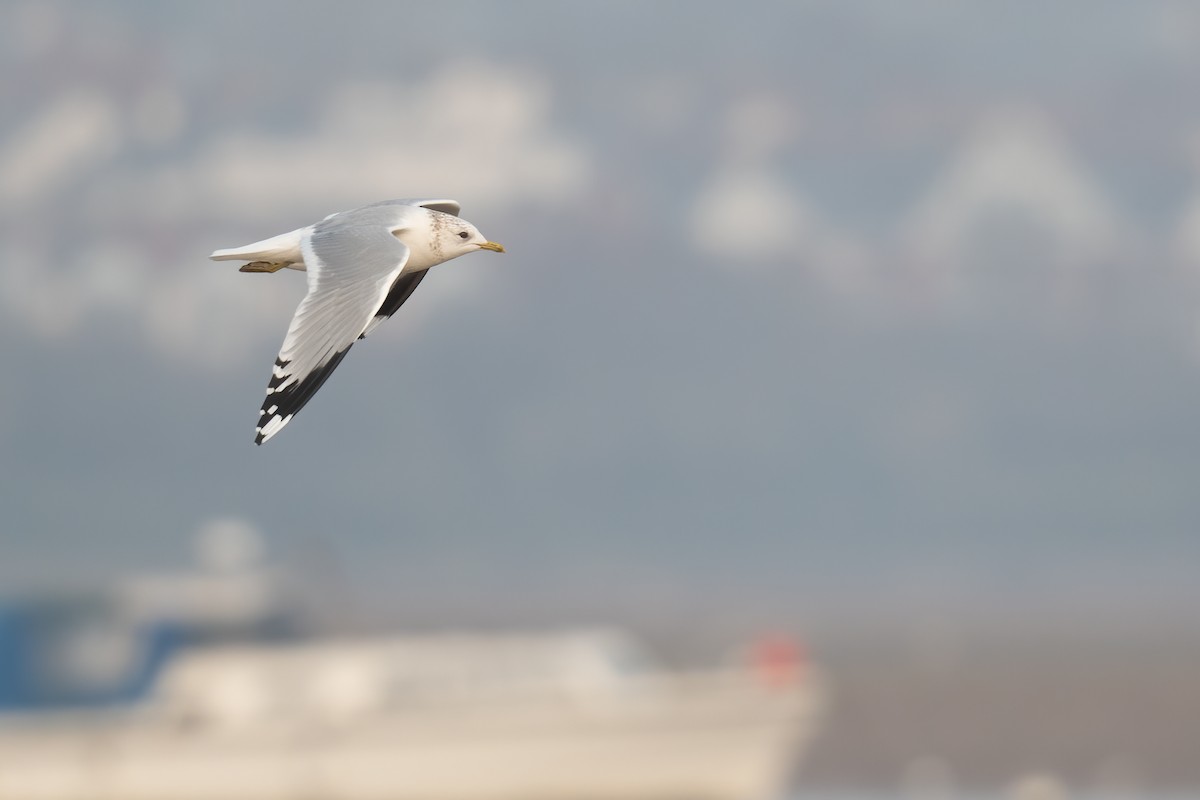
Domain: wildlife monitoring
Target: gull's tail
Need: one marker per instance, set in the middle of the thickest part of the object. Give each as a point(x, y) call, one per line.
point(281, 249)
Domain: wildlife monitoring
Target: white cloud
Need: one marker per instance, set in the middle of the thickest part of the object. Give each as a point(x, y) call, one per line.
point(748, 216)
point(473, 131)
point(1016, 164)
point(198, 315)
point(71, 133)
point(476, 132)
point(208, 316)
point(53, 301)
point(229, 544)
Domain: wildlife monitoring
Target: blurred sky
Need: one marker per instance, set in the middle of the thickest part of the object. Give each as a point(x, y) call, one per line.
point(810, 311)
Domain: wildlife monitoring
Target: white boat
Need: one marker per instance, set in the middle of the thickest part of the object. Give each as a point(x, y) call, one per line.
point(447, 717)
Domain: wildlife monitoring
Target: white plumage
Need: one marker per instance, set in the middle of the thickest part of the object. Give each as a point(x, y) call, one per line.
point(362, 265)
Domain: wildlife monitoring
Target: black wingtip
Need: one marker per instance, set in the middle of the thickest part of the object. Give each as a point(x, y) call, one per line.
point(284, 402)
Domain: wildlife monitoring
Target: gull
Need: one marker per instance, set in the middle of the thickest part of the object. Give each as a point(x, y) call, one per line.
point(362, 265)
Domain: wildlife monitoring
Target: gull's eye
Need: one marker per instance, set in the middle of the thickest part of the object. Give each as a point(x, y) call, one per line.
point(464, 235)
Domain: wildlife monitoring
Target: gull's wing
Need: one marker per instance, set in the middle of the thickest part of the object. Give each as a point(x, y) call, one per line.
point(353, 260)
point(404, 286)
point(443, 205)
point(450, 207)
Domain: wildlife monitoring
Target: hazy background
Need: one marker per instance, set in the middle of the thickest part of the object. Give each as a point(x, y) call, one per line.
point(877, 322)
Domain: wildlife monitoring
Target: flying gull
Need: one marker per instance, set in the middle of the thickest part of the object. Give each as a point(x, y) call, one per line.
point(362, 265)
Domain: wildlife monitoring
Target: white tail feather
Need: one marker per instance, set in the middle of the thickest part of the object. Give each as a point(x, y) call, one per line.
point(282, 248)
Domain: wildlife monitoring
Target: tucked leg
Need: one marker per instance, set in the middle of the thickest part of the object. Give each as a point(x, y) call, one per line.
point(262, 266)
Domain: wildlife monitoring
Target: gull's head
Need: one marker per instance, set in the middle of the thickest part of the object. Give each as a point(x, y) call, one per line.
point(461, 237)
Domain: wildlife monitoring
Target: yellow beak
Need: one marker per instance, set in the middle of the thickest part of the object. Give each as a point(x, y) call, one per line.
point(495, 247)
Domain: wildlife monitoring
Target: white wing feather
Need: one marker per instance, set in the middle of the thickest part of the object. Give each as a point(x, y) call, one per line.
point(353, 260)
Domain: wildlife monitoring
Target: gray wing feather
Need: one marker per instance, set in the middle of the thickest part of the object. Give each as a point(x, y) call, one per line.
point(353, 259)
point(450, 207)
